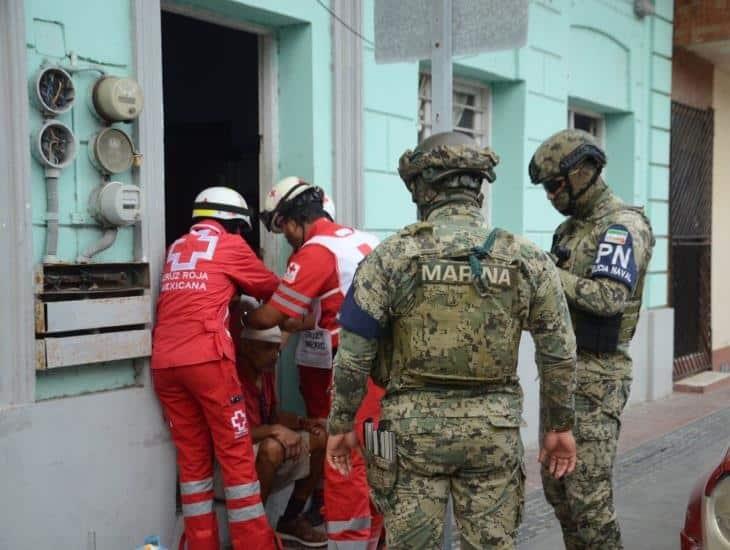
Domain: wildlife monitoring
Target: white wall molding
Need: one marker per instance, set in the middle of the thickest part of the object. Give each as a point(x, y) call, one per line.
point(347, 100)
point(17, 363)
point(149, 243)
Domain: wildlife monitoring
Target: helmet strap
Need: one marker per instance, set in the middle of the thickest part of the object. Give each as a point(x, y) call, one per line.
point(573, 196)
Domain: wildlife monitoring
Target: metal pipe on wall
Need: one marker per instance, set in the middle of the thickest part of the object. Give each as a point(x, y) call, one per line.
point(52, 175)
point(106, 240)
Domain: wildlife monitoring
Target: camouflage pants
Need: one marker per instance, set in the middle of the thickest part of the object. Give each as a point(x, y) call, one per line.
point(583, 501)
point(478, 464)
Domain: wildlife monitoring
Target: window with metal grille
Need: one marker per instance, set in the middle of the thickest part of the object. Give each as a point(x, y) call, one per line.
point(592, 123)
point(470, 109)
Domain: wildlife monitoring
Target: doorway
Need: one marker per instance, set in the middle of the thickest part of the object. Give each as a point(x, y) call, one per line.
point(690, 215)
point(210, 78)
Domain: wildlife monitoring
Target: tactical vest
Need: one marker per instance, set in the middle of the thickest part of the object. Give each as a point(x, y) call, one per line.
point(455, 322)
point(629, 318)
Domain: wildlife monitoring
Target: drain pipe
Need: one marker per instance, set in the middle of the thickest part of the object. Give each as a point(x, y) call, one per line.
point(52, 175)
point(107, 239)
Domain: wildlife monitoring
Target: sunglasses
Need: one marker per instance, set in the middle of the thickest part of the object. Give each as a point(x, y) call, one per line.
point(551, 186)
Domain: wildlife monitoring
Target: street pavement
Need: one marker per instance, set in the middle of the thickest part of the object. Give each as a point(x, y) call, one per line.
point(653, 482)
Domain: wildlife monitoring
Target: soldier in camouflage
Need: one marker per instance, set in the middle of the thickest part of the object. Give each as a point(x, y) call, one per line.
point(435, 315)
point(603, 250)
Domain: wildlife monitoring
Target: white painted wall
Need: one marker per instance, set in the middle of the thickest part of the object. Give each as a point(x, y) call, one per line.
point(100, 463)
point(652, 370)
point(721, 211)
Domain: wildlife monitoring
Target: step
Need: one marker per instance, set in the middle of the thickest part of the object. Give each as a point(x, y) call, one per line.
point(703, 382)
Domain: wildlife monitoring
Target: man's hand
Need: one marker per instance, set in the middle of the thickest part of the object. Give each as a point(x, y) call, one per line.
point(338, 451)
point(315, 425)
point(558, 453)
point(291, 441)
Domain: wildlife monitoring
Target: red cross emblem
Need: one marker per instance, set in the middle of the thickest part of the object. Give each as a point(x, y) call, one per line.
point(272, 193)
point(185, 252)
point(365, 249)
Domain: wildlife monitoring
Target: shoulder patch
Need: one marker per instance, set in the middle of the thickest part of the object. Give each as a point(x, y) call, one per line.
point(291, 272)
point(615, 256)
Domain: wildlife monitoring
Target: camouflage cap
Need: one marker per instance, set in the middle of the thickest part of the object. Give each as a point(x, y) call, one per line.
point(447, 154)
point(562, 151)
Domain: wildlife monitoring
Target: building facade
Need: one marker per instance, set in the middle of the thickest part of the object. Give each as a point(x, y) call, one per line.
point(243, 93)
point(700, 193)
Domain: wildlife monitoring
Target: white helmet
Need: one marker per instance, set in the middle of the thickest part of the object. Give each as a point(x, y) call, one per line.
point(329, 206)
point(222, 203)
point(284, 191)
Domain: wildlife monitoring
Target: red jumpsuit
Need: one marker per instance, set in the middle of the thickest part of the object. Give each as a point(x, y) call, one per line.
point(316, 278)
point(194, 373)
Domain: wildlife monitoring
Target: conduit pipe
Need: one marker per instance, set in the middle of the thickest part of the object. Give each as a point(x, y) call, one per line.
point(52, 175)
point(106, 240)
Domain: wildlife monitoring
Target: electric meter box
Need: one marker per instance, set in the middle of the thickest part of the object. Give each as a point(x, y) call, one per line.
point(52, 90)
point(53, 144)
point(111, 151)
point(116, 204)
point(116, 99)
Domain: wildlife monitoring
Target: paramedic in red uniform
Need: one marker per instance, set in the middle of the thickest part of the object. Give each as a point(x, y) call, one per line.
point(319, 273)
point(194, 371)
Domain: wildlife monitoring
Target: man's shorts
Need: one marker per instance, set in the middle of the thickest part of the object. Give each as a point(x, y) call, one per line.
point(288, 472)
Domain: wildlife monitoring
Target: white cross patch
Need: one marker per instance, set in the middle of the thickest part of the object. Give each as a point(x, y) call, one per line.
point(209, 242)
point(239, 421)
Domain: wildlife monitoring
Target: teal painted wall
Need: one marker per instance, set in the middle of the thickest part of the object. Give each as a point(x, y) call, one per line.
point(592, 54)
point(101, 33)
point(98, 33)
point(390, 126)
point(620, 68)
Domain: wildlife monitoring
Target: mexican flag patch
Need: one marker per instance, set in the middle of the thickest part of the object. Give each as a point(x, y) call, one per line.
point(616, 236)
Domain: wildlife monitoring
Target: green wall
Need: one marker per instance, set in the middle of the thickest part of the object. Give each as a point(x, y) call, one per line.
point(593, 54)
point(98, 33)
point(101, 33)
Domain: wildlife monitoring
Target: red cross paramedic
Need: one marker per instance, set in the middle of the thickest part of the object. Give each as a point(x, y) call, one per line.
point(194, 371)
point(318, 276)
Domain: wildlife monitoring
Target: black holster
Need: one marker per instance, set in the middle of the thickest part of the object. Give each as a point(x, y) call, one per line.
point(596, 334)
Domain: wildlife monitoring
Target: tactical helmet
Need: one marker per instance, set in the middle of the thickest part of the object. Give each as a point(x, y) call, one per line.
point(221, 203)
point(559, 154)
point(287, 195)
point(445, 155)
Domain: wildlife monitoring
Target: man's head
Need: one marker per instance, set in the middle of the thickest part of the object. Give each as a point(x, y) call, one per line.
point(291, 207)
point(567, 165)
point(261, 348)
point(224, 205)
point(446, 167)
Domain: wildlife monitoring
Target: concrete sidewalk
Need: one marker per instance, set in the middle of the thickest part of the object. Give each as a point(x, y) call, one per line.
point(646, 421)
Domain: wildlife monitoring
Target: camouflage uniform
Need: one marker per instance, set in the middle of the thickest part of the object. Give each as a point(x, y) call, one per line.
point(435, 315)
point(603, 251)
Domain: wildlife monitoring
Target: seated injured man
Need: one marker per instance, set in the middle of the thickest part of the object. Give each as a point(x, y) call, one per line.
point(288, 448)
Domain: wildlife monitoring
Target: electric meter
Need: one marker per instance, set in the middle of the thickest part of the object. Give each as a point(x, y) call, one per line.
point(111, 151)
point(116, 204)
point(52, 90)
point(53, 144)
point(116, 99)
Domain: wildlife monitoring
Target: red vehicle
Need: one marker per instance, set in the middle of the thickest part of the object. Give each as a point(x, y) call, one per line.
point(707, 522)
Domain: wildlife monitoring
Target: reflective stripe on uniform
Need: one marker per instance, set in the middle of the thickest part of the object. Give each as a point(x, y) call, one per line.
point(200, 486)
point(354, 524)
point(289, 305)
point(243, 491)
point(330, 292)
point(347, 544)
point(197, 508)
point(294, 294)
point(246, 513)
